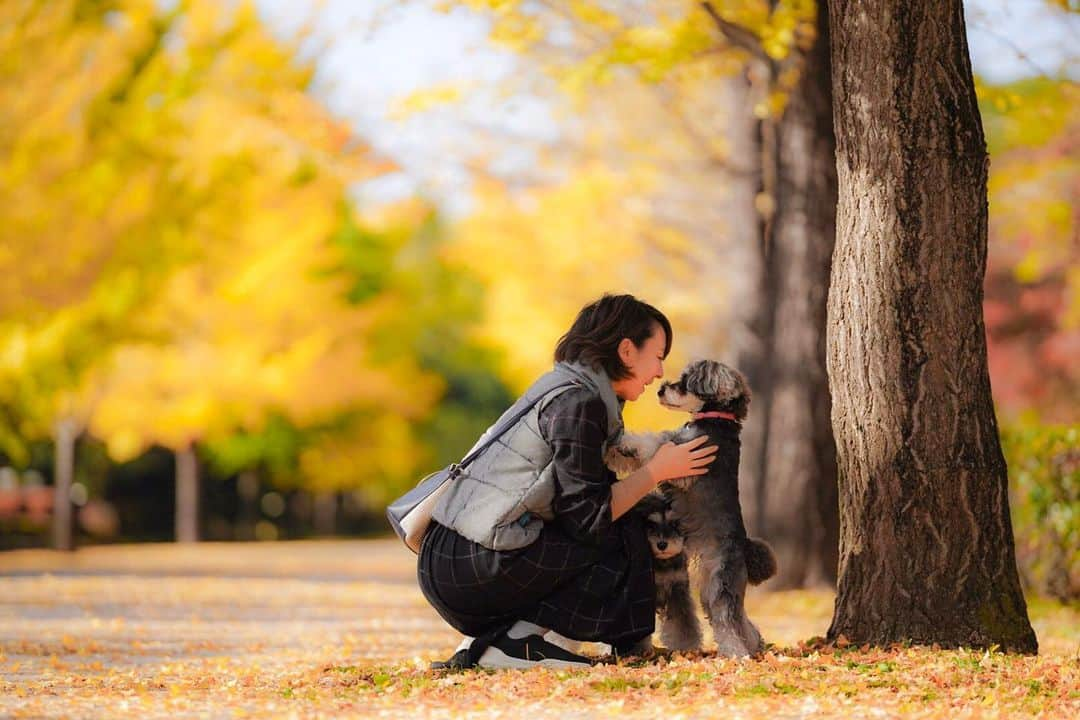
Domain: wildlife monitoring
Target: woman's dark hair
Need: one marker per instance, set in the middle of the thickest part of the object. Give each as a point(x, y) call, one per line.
point(594, 338)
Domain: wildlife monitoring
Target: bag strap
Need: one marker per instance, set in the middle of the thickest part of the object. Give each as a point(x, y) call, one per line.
point(540, 389)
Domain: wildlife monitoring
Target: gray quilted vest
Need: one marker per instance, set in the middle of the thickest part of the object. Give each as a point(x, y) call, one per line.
point(502, 499)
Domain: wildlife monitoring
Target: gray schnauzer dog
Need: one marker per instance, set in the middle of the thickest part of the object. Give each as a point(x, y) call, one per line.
point(679, 626)
point(707, 507)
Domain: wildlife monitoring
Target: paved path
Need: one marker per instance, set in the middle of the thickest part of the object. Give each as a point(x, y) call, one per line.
point(169, 613)
point(232, 630)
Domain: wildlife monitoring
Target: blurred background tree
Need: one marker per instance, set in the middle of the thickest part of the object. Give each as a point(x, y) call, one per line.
point(1032, 312)
point(182, 260)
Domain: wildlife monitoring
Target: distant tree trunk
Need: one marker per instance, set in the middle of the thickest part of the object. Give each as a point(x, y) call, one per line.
point(785, 223)
point(66, 432)
point(800, 513)
point(187, 496)
point(324, 517)
point(752, 301)
point(926, 549)
point(247, 491)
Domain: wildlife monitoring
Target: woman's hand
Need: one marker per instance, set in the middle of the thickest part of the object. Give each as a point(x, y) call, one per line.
point(686, 460)
point(670, 461)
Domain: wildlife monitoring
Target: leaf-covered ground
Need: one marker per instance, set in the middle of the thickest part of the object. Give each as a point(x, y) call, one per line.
point(339, 629)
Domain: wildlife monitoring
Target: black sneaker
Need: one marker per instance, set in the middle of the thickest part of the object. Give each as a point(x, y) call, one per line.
point(458, 661)
point(528, 652)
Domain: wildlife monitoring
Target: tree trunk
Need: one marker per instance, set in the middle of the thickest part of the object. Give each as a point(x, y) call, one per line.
point(66, 431)
point(787, 473)
point(801, 518)
point(247, 491)
point(926, 549)
point(752, 308)
point(187, 496)
point(324, 517)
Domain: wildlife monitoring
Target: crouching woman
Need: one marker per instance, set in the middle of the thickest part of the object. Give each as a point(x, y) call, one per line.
point(532, 545)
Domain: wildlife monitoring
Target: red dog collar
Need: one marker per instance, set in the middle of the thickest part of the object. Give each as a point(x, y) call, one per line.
point(715, 414)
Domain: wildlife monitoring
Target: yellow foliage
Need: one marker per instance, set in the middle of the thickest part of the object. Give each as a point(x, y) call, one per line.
point(791, 25)
point(425, 99)
point(386, 450)
point(257, 330)
point(547, 253)
point(517, 32)
point(168, 196)
point(595, 16)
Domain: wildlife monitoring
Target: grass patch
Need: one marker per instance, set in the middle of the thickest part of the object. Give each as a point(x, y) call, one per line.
point(618, 684)
point(885, 666)
point(765, 689)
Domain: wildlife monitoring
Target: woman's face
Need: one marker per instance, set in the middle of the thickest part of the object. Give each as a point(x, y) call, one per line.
point(645, 363)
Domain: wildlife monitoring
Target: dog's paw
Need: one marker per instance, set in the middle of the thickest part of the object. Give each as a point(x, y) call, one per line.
point(733, 650)
point(643, 648)
point(681, 637)
point(621, 460)
point(642, 445)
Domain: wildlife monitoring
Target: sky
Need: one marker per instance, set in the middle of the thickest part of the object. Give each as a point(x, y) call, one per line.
point(371, 54)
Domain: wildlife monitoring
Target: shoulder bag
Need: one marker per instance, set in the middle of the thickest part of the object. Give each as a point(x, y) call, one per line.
point(410, 514)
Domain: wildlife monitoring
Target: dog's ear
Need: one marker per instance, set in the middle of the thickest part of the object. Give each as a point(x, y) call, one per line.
point(651, 503)
point(714, 381)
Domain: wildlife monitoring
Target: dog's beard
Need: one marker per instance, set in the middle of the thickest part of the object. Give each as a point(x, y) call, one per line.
point(674, 400)
point(674, 547)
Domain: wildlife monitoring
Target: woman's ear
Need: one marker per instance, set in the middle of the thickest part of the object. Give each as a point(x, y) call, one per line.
point(626, 351)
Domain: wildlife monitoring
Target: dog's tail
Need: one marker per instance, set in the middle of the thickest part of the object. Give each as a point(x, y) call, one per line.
point(760, 561)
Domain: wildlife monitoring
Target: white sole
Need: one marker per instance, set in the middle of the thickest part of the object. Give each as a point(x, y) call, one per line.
point(495, 659)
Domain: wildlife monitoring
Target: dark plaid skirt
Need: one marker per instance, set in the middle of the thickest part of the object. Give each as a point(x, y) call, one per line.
point(602, 592)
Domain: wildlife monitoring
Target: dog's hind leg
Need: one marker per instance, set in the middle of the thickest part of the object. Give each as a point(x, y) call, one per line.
point(726, 631)
point(751, 637)
point(680, 628)
point(724, 585)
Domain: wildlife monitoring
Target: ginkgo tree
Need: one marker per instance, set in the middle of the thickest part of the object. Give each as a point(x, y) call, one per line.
point(427, 306)
point(259, 328)
point(101, 186)
point(167, 179)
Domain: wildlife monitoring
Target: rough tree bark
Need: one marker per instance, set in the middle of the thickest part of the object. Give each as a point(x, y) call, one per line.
point(800, 513)
point(926, 550)
point(187, 496)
